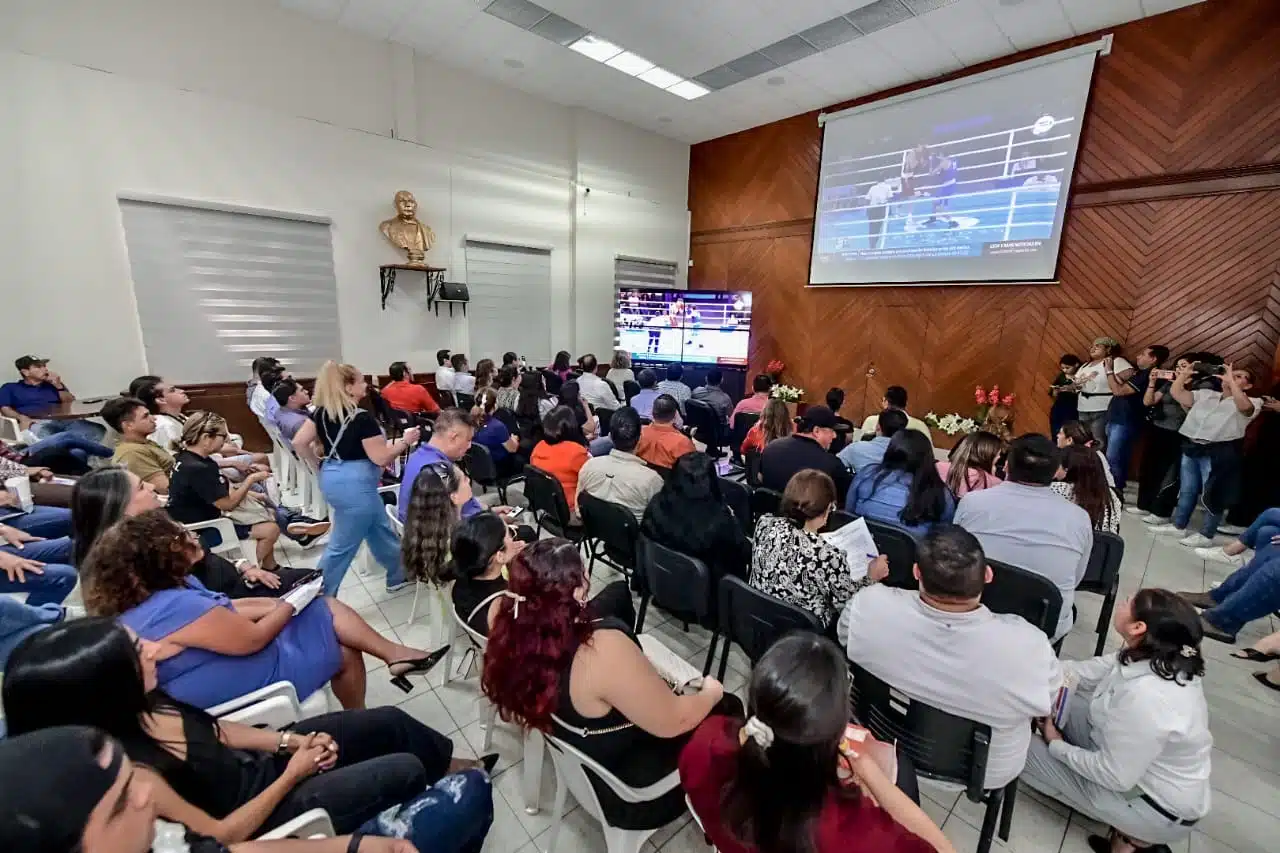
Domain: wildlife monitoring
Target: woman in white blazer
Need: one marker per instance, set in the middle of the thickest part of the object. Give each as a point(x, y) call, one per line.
point(1134, 745)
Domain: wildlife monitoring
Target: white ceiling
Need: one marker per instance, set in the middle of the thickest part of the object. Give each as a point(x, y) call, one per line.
point(690, 37)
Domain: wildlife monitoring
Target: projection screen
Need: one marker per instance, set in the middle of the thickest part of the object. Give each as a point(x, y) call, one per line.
point(963, 182)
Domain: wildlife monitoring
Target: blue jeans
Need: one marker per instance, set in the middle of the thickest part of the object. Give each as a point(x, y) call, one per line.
point(71, 442)
point(351, 488)
point(19, 621)
point(1195, 474)
point(1119, 448)
point(452, 816)
point(58, 579)
point(84, 429)
point(49, 522)
point(1251, 592)
point(1266, 525)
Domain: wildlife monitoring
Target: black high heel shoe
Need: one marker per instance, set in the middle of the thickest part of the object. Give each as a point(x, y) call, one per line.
point(421, 666)
point(1102, 844)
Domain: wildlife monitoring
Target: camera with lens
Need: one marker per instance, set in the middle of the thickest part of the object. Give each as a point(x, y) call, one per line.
point(1207, 373)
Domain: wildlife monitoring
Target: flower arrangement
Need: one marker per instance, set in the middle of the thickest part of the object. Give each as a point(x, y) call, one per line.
point(787, 393)
point(952, 424)
point(987, 400)
point(774, 369)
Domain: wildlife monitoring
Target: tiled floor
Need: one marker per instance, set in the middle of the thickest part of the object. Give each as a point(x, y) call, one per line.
point(1245, 719)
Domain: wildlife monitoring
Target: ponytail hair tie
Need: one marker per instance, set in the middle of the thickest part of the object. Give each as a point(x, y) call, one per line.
point(1188, 651)
point(759, 731)
point(517, 598)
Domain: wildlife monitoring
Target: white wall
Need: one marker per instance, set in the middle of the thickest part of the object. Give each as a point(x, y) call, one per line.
point(239, 102)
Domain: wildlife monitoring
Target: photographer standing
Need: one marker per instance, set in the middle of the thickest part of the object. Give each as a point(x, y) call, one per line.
point(1211, 453)
point(1126, 412)
point(1158, 477)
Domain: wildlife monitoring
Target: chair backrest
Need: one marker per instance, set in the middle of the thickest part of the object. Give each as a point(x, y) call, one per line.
point(575, 767)
point(396, 524)
point(1104, 563)
point(611, 524)
point(765, 502)
point(838, 518)
point(552, 381)
point(508, 419)
point(447, 400)
point(479, 465)
point(465, 401)
point(391, 420)
point(546, 499)
point(703, 421)
point(630, 388)
point(942, 746)
point(738, 498)
point(752, 459)
point(899, 546)
point(604, 415)
point(1023, 593)
point(678, 583)
point(742, 424)
point(755, 620)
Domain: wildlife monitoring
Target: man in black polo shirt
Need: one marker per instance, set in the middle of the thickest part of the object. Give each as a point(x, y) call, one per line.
point(807, 448)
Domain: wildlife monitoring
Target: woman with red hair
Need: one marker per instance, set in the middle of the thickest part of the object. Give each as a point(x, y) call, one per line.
point(551, 665)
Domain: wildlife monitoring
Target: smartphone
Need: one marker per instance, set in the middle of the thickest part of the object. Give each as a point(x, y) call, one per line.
point(515, 512)
point(1162, 374)
point(1203, 367)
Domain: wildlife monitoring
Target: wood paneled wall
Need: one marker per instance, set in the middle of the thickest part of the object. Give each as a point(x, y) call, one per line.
point(1172, 236)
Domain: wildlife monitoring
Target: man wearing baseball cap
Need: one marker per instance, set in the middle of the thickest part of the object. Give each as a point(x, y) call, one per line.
point(807, 448)
point(37, 390)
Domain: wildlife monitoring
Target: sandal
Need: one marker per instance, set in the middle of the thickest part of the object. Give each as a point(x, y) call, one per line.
point(1255, 655)
point(421, 666)
point(1266, 682)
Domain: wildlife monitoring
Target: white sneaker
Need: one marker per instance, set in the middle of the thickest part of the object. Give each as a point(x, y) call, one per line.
point(1217, 555)
point(1134, 510)
point(1156, 519)
point(1230, 529)
point(1166, 530)
point(1195, 540)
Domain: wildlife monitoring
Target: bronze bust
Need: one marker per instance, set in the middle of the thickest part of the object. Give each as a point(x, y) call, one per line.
point(406, 232)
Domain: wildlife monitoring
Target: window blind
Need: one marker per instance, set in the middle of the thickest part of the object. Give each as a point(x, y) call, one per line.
point(216, 289)
point(635, 272)
point(510, 308)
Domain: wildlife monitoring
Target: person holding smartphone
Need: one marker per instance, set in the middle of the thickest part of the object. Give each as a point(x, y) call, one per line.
point(1126, 413)
point(1158, 475)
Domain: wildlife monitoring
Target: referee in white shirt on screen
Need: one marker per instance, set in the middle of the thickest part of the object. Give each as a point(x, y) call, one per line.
point(878, 197)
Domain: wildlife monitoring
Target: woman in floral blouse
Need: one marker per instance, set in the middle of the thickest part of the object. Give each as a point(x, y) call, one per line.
point(793, 562)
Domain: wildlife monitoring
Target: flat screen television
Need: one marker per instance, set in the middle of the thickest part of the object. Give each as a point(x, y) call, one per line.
point(689, 326)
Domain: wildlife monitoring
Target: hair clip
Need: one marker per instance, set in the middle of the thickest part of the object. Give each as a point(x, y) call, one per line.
point(1188, 651)
point(517, 598)
point(759, 731)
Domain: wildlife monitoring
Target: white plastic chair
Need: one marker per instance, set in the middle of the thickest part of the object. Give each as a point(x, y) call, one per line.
point(230, 541)
point(9, 430)
point(571, 775)
point(274, 706)
point(435, 594)
point(310, 824)
point(697, 820)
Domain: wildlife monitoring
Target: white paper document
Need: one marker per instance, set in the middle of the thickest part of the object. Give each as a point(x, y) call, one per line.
point(856, 541)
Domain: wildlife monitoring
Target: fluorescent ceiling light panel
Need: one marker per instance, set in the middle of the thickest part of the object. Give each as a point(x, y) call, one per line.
point(596, 48)
point(688, 90)
point(629, 63)
point(661, 77)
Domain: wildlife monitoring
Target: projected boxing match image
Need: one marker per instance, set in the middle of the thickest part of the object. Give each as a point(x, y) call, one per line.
point(952, 195)
point(711, 327)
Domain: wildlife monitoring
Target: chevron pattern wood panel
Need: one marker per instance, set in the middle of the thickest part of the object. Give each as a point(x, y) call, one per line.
point(1188, 92)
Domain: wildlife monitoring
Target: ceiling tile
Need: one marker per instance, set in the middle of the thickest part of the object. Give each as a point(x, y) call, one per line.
point(559, 30)
point(378, 18)
point(921, 7)
point(428, 27)
point(789, 50)
point(916, 49)
point(1031, 23)
point(752, 64)
point(719, 77)
point(1089, 15)
point(878, 15)
point(830, 33)
point(968, 31)
point(521, 13)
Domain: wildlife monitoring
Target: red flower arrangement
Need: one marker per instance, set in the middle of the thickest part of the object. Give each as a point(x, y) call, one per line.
point(995, 412)
point(774, 369)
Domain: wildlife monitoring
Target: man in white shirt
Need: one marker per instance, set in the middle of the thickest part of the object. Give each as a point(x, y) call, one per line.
point(1026, 524)
point(939, 645)
point(444, 371)
point(1214, 429)
point(462, 381)
point(895, 397)
point(878, 197)
point(1095, 389)
point(675, 386)
point(594, 390)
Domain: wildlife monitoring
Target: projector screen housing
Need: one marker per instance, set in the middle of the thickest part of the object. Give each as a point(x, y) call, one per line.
point(963, 182)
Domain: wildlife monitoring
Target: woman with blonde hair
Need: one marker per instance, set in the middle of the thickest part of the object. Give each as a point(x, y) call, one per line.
point(775, 422)
point(620, 369)
point(355, 452)
point(971, 465)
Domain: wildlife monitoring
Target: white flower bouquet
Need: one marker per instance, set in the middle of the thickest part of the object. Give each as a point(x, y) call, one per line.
point(787, 393)
point(952, 424)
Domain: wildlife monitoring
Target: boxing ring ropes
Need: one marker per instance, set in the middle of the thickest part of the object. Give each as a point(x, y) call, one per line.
point(836, 205)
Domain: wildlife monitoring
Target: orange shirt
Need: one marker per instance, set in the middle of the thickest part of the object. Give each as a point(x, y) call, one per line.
point(562, 461)
point(663, 444)
point(409, 397)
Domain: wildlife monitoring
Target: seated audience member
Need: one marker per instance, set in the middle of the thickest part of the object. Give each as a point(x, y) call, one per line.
point(166, 403)
point(61, 453)
point(405, 394)
point(620, 369)
point(775, 422)
point(45, 520)
point(39, 567)
point(1134, 748)
point(19, 621)
point(292, 413)
point(596, 391)
point(271, 377)
point(510, 359)
point(463, 382)
point(139, 572)
point(971, 464)
point(504, 385)
point(844, 426)
point(571, 397)
point(793, 562)
point(859, 454)
point(1084, 483)
point(895, 397)
point(561, 365)
point(904, 488)
point(86, 796)
point(940, 645)
point(1211, 452)
point(38, 390)
point(444, 371)
point(135, 451)
point(661, 444)
point(448, 444)
point(199, 492)
point(1076, 434)
point(492, 434)
point(675, 386)
point(1263, 531)
point(1250, 592)
point(643, 402)
point(1024, 523)
point(714, 396)
point(532, 401)
point(771, 784)
point(480, 550)
point(256, 392)
point(559, 454)
point(621, 477)
point(440, 492)
point(761, 386)
point(689, 515)
point(220, 778)
point(484, 375)
point(807, 448)
point(103, 497)
point(590, 684)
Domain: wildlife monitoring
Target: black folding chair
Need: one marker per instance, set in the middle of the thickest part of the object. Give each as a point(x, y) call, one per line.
point(548, 504)
point(479, 465)
point(752, 459)
point(604, 415)
point(630, 388)
point(738, 498)
point(755, 620)
point(742, 424)
point(610, 532)
point(680, 585)
point(765, 502)
point(465, 401)
point(838, 518)
point(1103, 577)
point(900, 548)
point(942, 746)
point(1023, 593)
point(447, 400)
point(552, 381)
point(704, 425)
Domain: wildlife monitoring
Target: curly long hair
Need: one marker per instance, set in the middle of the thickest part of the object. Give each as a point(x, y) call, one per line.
point(429, 524)
point(135, 559)
point(535, 636)
point(775, 421)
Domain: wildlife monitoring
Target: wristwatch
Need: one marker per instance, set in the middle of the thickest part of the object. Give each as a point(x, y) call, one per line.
point(282, 748)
